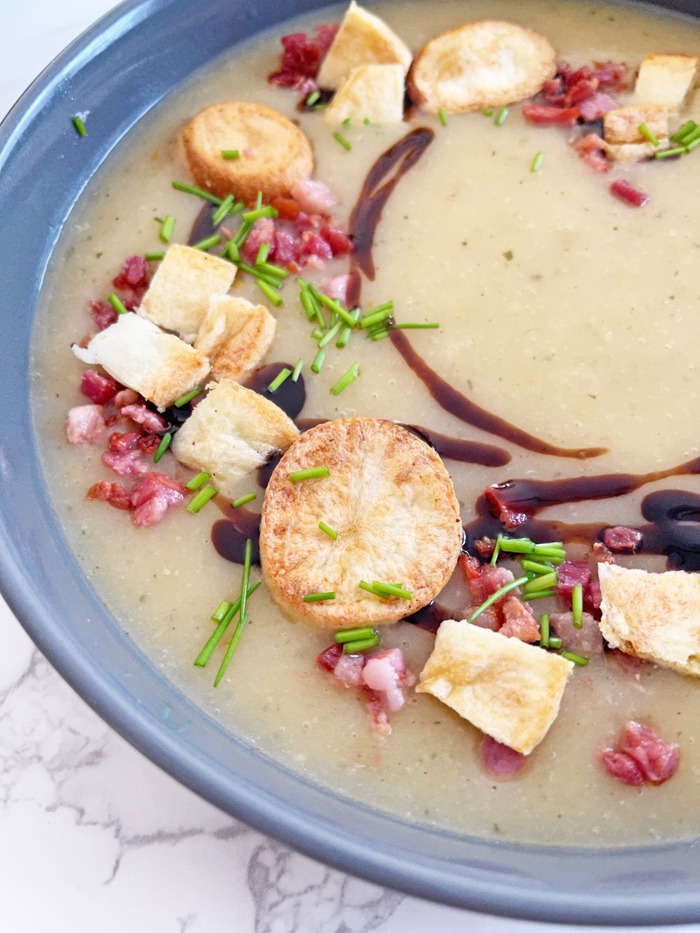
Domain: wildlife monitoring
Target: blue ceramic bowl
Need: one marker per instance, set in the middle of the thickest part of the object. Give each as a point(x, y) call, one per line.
point(44, 167)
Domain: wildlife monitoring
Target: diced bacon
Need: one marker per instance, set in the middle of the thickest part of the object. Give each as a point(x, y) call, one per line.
point(602, 554)
point(125, 397)
point(135, 274)
point(500, 760)
point(313, 247)
point(302, 56)
point(127, 463)
point(339, 243)
point(612, 75)
point(329, 657)
point(630, 665)
point(120, 443)
point(595, 107)
point(572, 573)
point(593, 150)
point(85, 424)
point(593, 596)
point(519, 621)
point(98, 388)
point(287, 208)
point(113, 493)
point(482, 579)
point(585, 640)
point(149, 420)
point(313, 195)
point(286, 246)
point(484, 547)
point(102, 313)
point(511, 515)
point(624, 191)
point(152, 496)
point(348, 669)
point(338, 288)
point(386, 674)
point(581, 91)
point(620, 538)
point(641, 757)
point(149, 443)
point(262, 231)
point(553, 91)
point(547, 115)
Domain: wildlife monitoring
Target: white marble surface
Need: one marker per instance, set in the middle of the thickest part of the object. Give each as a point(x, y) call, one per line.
point(93, 837)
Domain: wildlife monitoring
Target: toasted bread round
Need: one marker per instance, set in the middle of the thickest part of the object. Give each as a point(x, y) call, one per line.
point(391, 502)
point(274, 153)
point(484, 64)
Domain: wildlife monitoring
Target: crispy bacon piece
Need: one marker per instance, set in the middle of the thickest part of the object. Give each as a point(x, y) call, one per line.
point(152, 496)
point(135, 273)
point(149, 420)
point(586, 640)
point(500, 760)
point(641, 757)
point(593, 150)
point(511, 514)
point(623, 190)
point(126, 462)
point(548, 115)
point(125, 397)
point(519, 620)
point(113, 493)
point(339, 243)
point(102, 313)
point(302, 57)
point(85, 424)
point(602, 554)
point(99, 388)
point(573, 572)
point(620, 538)
point(596, 106)
point(482, 579)
point(314, 196)
point(338, 288)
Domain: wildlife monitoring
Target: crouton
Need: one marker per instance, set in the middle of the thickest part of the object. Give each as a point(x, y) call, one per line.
point(159, 366)
point(633, 152)
point(478, 65)
point(503, 686)
point(363, 39)
point(274, 153)
point(232, 432)
point(235, 335)
point(655, 616)
point(621, 126)
point(665, 80)
point(372, 92)
point(178, 297)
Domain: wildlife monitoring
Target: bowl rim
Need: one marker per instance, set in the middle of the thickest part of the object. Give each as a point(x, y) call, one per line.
point(477, 874)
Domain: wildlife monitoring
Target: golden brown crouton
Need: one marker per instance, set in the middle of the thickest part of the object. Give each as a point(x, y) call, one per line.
point(235, 335)
point(666, 80)
point(372, 92)
point(622, 125)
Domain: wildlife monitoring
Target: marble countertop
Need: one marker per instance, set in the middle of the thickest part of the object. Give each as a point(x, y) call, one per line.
point(93, 837)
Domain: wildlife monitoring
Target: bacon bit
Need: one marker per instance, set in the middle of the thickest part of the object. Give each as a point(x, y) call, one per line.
point(149, 420)
point(623, 190)
point(348, 669)
point(573, 572)
point(593, 150)
point(544, 115)
point(612, 75)
point(113, 493)
point(484, 547)
point(337, 288)
point(120, 443)
point(620, 538)
point(302, 57)
point(314, 196)
point(339, 243)
point(641, 757)
point(482, 579)
point(149, 443)
point(314, 247)
point(500, 760)
point(85, 424)
point(102, 313)
point(511, 514)
point(586, 640)
point(595, 107)
point(602, 554)
point(630, 665)
point(519, 621)
point(152, 496)
point(287, 208)
point(329, 657)
point(98, 388)
point(126, 463)
point(135, 274)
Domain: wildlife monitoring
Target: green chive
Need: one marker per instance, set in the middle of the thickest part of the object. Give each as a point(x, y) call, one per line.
point(353, 647)
point(258, 201)
point(328, 530)
point(416, 326)
point(347, 121)
point(543, 582)
point(208, 242)
point(232, 252)
point(554, 642)
point(377, 316)
point(79, 125)
point(532, 566)
point(647, 134)
point(544, 630)
point(241, 234)
point(693, 145)
point(117, 304)
point(221, 611)
point(684, 131)
point(537, 162)
point(330, 335)
point(312, 98)
point(316, 334)
point(187, 397)
point(198, 192)
point(166, 229)
point(258, 273)
point(345, 380)
point(154, 257)
point(267, 211)
point(385, 590)
point(379, 334)
point(339, 138)
point(244, 500)
point(297, 370)
point(271, 269)
point(496, 550)
point(308, 304)
point(162, 447)
point(211, 644)
point(281, 376)
point(197, 503)
point(296, 476)
point(577, 605)
point(318, 597)
point(270, 293)
point(487, 111)
point(354, 634)
point(198, 481)
point(669, 153)
point(230, 154)
point(442, 115)
point(243, 618)
point(222, 210)
point(318, 362)
point(538, 594)
point(502, 116)
point(496, 596)
point(692, 136)
point(334, 305)
point(576, 658)
point(263, 253)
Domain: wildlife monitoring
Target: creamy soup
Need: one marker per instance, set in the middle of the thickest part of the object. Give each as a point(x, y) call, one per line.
point(561, 309)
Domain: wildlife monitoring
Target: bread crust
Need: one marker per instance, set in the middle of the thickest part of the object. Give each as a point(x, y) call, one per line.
point(371, 92)
point(274, 153)
point(481, 64)
point(235, 335)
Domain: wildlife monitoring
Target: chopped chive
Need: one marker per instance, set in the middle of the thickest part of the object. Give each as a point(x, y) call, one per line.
point(281, 376)
point(544, 630)
point(684, 131)
point(308, 303)
point(496, 596)
point(353, 647)
point(328, 530)
point(339, 138)
point(549, 550)
point(154, 257)
point(216, 637)
point(496, 550)
point(117, 304)
point(267, 211)
point(162, 447)
point(577, 605)
point(543, 582)
point(242, 233)
point(318, 597)
point(222, 210)
point(258, 201)
point(670, 153)
point(243, 618)
point(347, 121)
point(330, 335)
point(232, 252)
point(538, 594)
point(344, 337)
point(198, 481)
point(691, 136)
point(187, 397)
point(517, 545)
point(376, 317)
point(689, 147)
point(208, 242)
point(198, 192)
point(417, 326)
point(312, 98)
point(502, 116)
point(345, 380)
point(387, 590)
point(296, 476)
point(554, 642)
point(270, 293)
point(318, 362)
point(316, 333)
point(244, 500)
point(263, 253)
point(166, 229)
point(297, 370)
point(79, 125)
point(221, 611)
point(442, 115)
point(533, 566)
point(379, 334)
point(275, 271)
point(230, 154)
point(487, 111)
point(367, 121)
point(258, 273)
point(576, 658)
point(355, 634)
point(334, 305)
point(647, 134)
point(537, 162)
point(197, 503)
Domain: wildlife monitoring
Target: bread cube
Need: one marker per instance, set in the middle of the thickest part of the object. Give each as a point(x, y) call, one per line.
point(372, 92)
point(666, 80)
point(633, 152)
point(622, 125)
point(503, 686)
point(235, 335)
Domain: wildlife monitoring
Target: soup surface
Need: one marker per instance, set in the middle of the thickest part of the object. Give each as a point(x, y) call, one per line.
point(561, 309)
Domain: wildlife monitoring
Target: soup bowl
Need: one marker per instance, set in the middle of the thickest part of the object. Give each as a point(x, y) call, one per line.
point(117, 72)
